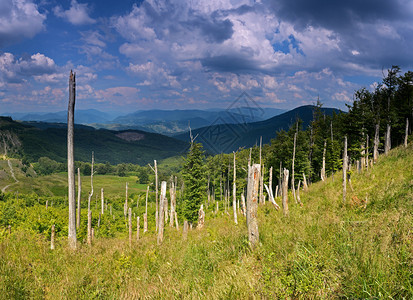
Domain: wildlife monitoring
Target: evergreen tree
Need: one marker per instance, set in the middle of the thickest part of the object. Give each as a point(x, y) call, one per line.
point(194, 181)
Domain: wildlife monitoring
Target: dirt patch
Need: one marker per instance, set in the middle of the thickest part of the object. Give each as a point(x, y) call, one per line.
point(131, 136)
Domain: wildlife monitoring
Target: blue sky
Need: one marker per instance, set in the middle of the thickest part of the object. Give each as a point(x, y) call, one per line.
point(131, 55)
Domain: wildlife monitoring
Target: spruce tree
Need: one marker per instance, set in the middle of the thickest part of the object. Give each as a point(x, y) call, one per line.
point(194, 181)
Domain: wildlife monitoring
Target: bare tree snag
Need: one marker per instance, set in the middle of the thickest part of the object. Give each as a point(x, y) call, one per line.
point(406, 133)
point(243, 205)
point(305, 186)
point(91, 183)
point(363, 153)
point(262, 199)
point(376, 144)
point(79, 192)
point(345, 165)
point(70, 161)
point(138, 228)
point(100, 215)
point(185, 230)
point(52, 238)
point(102, 200)
point(201, 217)
point(298, 194)
point(125, 205)
point(161, 219)
point(271, 197)
point(234, 193)
point(176, 221)
point(285, 192)
point(93, 234)
point(367, 152)
point(292, 167)
point(252, 204)
point(323, 168)
point(270, 182)
point(47, 204)
point(145, 216)
point(387, 142)
point(130, 225)
point(89, 227)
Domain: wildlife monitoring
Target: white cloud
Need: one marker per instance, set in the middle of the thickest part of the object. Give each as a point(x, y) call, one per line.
point(77, 14)
point(19, 19)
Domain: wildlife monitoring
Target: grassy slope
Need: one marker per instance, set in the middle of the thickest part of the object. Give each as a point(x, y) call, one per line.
point(322, 250)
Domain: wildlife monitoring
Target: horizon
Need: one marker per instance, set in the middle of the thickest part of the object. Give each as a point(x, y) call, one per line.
point(149, 55)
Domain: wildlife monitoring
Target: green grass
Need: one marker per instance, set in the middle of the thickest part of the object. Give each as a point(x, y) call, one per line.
point(323, 250)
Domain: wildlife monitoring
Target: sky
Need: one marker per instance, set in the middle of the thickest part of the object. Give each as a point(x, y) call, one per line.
point(197, 54)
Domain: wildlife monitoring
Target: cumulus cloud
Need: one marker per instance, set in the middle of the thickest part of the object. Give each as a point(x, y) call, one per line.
point(17, 70)
point(77, 14)
point(18, 20)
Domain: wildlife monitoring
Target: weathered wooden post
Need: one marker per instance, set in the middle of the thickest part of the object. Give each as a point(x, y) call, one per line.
point(161, 219)
point(130, 225)
point(345, 165)
point(145, 216)
point(52, 238)
point(9, 229)
point(376, 144)
point(70, 161)
point(270, 181)
point(243, 205)
point(138, 228)
point(262, 198)
point(173, 203)
point(285, 192)
point(79, 194)
point(234, 193)
point(102, 199)
point(252, 204)
point(406, 133)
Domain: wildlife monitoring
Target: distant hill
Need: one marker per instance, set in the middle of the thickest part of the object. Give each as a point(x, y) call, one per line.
point(175, 121)
point(86, 116)
point(228, 137)
point(131, 146)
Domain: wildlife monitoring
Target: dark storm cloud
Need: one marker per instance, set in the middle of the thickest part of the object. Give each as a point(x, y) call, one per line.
point(213, 30)
point(337, 15)
point(229, 63)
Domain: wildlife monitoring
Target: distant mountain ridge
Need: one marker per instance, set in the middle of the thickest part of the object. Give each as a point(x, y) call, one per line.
point(226, 138)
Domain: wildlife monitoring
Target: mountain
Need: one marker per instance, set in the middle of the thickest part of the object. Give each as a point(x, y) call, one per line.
point(229, 137)
point(130, 146)
point(86, 116)
point(174, 121)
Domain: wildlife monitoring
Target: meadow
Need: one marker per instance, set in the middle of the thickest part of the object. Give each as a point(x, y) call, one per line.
point(322, 250)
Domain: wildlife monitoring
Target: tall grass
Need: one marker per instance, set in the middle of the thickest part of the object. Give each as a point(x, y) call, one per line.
point(323, 250)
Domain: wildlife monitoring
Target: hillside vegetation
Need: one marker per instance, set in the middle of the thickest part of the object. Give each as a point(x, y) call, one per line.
point(323, 250)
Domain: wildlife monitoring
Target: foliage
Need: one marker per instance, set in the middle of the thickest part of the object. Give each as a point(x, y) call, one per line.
point(194, 182)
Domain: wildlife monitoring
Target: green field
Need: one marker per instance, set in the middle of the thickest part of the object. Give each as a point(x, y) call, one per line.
point(323, 250)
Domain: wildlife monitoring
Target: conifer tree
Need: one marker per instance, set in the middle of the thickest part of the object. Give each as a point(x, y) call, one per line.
point(194, 181)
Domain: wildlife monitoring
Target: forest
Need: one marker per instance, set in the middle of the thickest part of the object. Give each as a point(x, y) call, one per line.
point(191, 216)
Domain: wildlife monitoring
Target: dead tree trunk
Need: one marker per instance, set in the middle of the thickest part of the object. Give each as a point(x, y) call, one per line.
point(285, 192)
point(262, 199)
point(185, 230)
point(298, 193)
point(345, 164)
point(52, 238)
point(173, 204)
point(305, 186)
point(292, 167)
point(323, 168)
point(125, 205)
point(406, 134)
point(252, 204)
point(102, 200)
point(130, 225)
point(376, 144)
point(270, 182)
point(387, 142)
point(244, 209)
point(89, 227)
point(70, 161)
point(145, 216)
point(201, 217)
point(234, 193)
point(79, 192)
point(138, 228)
point(367, 152)
point(161, 219)
point(271, 197)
